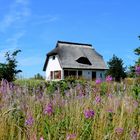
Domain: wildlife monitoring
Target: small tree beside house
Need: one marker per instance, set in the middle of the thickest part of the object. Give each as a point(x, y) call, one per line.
point(116, 68)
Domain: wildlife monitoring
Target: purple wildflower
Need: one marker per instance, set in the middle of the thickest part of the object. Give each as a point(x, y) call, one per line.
point(108, 78)
point(41, 138)
point(119, 130)
point(29, 121)
point(4, 86)
point(137, 70)
point(48, 109)
point(11, 86)
point(135, 104)
point(88, 113)
point(97, 99)
point(110, 110)
point(98, 81)
point(71, 136)
point(134, 134)
point(110, 96)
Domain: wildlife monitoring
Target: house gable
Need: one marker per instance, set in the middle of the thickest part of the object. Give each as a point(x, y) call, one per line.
point(53, 66)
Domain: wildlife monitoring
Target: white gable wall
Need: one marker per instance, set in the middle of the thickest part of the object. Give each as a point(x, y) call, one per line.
point(53, 65)
point(87, 74)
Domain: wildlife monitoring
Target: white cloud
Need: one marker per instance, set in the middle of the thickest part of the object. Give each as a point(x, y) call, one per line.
point(37, 20)
point(14, 39)
point(12, 25)
point(24, 2)
point(17, 14)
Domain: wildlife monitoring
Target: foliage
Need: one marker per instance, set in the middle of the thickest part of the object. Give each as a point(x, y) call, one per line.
point(116, 69)
point(38, 76)
point(137, 62)
point(9, 70)
point(137, 51)
point(32, 86)
point(110, 108)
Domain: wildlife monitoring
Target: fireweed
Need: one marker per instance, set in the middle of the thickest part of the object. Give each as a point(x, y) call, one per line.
point(80, 113)
point(137, 70)
point(109, 78)
point(48, 110)
point(98, 81)
point(89, 113)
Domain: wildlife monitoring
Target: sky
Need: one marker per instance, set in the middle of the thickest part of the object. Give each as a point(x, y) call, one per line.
point(35, 26)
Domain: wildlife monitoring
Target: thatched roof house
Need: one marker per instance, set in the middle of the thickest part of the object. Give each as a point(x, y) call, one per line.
point(74, 59)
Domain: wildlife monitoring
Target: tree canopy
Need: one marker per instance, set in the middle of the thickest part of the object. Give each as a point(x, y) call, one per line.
point(137, 62)
point(9, 70)
point(116, 69)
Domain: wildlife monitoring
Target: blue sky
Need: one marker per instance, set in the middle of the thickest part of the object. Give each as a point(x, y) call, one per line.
point(34, 26)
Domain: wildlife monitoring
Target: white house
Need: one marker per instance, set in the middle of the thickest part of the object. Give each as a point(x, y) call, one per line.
point(74, 59)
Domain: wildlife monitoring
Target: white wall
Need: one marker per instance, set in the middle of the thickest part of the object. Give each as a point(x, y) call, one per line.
point(87, 74)
point(99, 73)
point(53, 65)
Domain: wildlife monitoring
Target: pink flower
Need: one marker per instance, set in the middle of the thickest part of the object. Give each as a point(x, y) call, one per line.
point(48, 109)
point(29, 121)
point(119, 130)
point(134, 134)
point(108, 78)
point(110, 110)
point(98, 81)
point(71, 136)
point(137, 70)
point(98, 99)
point(135, 104)
point(89, 113)
point(41, 138)
point(110, 96)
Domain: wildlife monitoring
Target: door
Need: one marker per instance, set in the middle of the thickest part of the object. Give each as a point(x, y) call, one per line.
point(93, 75)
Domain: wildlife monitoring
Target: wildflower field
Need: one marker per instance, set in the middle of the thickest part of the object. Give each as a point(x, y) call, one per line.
point(70, 110)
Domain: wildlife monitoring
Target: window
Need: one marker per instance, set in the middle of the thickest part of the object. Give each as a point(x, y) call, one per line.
point(101, 76)
point(53, 57)
point(79, 73)
point(66, 73)
point(57, 74)
point(69, 73)
point(72, 73)
point(83, 60)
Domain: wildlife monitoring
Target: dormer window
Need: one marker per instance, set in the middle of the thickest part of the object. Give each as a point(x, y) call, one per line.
point(83, 60)
point(53, 57)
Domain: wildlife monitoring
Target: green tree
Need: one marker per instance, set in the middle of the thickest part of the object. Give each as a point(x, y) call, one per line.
point(38, 76)
point(137, 52)
point(116, 69)
point(137, 62)
point(9, 70)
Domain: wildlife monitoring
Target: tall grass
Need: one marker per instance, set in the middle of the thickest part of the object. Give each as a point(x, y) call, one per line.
point(84, 111)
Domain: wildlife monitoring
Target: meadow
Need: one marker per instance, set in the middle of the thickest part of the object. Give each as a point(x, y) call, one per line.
point(70, 110)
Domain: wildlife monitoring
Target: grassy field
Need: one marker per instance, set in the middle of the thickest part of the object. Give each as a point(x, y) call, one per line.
point(70, 110)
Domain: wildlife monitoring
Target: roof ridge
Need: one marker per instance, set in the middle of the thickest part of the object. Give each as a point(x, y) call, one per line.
point(74, 43)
